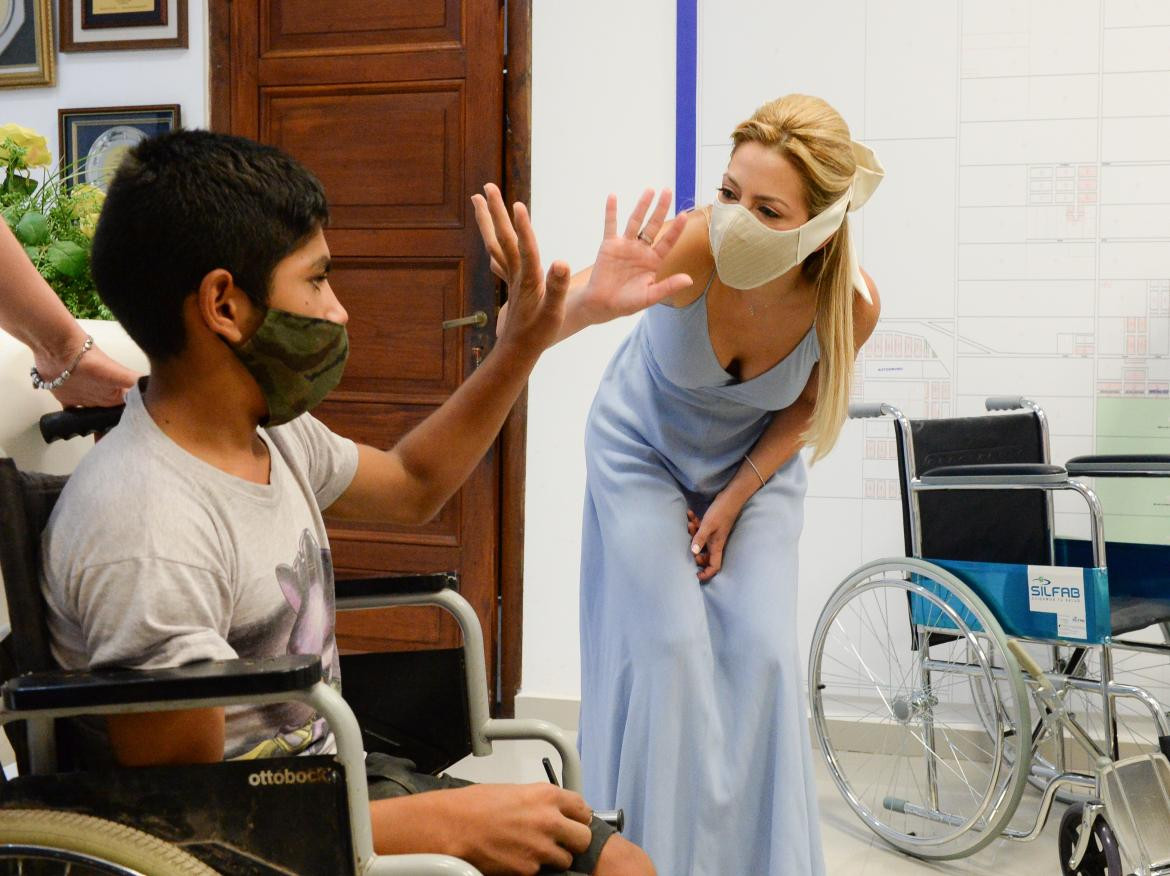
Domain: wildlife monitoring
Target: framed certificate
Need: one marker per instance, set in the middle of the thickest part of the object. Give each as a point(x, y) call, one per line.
point(116, 25)
point(94, 141)
point(26, 43)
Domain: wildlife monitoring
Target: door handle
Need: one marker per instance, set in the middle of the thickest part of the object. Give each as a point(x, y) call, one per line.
point(478, 319)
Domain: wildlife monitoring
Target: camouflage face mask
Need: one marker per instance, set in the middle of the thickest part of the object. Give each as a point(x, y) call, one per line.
point(296, 360)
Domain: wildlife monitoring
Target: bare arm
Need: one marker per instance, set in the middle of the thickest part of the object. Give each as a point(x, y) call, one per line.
point(158, 738)
point(33, 314)
point(411, 482)
point(782, 440)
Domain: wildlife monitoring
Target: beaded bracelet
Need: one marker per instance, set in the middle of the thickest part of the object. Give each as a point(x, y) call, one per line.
point(39, 382)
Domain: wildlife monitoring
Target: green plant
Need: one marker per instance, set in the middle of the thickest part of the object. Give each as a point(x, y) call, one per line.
point(52, 219)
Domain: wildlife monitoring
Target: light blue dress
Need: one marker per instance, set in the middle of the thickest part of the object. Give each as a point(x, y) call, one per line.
point(693, 713)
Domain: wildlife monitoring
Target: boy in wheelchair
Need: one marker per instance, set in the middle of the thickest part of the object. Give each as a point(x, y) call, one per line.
point(194, 530)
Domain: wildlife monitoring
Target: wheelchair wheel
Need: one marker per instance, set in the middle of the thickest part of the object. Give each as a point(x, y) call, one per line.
point(891, 660)
point(1102, 857)
point(47, 841)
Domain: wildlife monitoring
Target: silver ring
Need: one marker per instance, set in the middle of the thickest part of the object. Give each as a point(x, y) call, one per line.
point(645, 238)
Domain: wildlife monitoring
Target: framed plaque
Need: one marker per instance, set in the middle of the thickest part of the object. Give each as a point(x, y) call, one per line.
point(118, 25)
point(123, 13)
point(94, 141)
point(26, 43)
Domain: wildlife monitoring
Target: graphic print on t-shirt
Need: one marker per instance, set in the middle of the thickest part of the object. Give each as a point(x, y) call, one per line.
point(307, 585)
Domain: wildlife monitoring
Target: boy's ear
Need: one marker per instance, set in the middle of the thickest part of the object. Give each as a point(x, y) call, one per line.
point(225, 308)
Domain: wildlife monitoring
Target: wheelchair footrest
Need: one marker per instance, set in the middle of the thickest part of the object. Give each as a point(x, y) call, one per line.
point(1135, 792)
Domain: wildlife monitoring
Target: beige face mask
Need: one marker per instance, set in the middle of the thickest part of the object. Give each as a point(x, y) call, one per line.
point(749, 254)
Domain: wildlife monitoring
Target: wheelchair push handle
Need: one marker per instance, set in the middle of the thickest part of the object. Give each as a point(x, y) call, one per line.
point(866, 410)
point(78, 422)
point(1006, 403)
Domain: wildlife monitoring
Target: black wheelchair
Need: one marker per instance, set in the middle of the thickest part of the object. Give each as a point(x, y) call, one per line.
point(66, 813)
point(995, 656)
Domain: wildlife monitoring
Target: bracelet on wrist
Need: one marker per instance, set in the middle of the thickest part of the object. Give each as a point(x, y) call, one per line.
point(39, 382)
point(748, 460)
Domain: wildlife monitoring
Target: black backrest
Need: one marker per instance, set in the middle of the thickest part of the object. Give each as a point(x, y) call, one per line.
point(998, 526)
point(26, 501)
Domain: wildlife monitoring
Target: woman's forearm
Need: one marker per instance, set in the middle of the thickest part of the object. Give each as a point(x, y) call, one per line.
point(29, 309)
point(780, 442)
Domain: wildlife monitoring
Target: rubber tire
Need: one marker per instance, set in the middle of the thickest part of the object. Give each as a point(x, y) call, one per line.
point(1102, 858)
point(101, 840)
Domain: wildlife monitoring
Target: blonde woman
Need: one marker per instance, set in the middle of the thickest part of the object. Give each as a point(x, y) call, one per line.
point(693, 715)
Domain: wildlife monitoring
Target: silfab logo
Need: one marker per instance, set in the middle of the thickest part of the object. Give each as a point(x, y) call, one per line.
point(1043, 588)
point(286, 776)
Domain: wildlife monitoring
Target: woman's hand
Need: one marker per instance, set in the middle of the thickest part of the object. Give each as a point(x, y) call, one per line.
point(709, 534)
point(97, 381)
point(624, 276)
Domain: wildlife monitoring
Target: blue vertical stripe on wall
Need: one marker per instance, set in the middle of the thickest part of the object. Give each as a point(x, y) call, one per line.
point(686, 79)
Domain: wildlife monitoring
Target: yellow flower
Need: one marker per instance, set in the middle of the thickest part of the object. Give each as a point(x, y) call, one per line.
point(88, 225)
point(37, 154)
point(86, 200)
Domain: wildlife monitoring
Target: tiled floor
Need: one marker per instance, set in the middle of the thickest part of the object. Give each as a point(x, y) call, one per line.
point(850, 848)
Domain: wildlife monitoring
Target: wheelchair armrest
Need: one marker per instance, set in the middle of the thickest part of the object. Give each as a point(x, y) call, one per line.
point(208, 680)
point(1120, 466)
point(395, 585)
point(994, 475)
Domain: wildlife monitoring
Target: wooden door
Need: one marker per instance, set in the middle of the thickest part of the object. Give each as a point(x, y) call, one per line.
point(398, 107)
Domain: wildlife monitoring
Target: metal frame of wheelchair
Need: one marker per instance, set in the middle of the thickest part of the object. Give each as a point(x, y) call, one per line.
point(961, 709)
point(39, 700)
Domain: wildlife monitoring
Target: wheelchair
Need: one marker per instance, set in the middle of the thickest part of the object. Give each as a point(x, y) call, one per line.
point(995, 656)
point(63, 814)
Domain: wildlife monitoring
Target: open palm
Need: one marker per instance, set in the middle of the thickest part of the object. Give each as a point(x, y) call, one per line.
point(624, 276)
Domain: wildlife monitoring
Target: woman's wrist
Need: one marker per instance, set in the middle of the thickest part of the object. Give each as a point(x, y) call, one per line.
point(53, 352)
point(743, 485)
point(51, 374)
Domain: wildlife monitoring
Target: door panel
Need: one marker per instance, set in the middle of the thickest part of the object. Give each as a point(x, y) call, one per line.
point(291, 25)
point(396, 311)
point(402, 163)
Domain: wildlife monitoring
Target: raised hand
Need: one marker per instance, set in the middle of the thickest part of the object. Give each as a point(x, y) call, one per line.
point(536, 303)
point(624, 277)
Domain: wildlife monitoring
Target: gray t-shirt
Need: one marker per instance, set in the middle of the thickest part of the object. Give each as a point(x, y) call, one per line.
point(154, 558)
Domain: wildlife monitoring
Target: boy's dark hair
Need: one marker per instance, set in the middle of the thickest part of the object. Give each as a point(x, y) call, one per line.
point(185, 203)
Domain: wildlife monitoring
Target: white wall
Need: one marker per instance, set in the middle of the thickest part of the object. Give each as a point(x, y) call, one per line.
point(603, 100)
point(95, 79)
